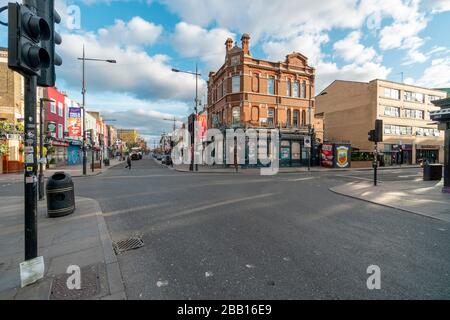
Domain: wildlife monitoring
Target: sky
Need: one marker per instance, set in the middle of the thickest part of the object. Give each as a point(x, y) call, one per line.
point(343, 39)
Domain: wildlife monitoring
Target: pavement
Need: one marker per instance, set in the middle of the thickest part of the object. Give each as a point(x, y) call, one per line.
point(419, 197)
point(74, 171)
point(80, 239)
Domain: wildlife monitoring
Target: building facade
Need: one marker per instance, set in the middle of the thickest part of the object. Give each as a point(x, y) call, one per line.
point(55, 124)
point(129, 136)
point(349, 110)
point(247, 92)
point(12, 113)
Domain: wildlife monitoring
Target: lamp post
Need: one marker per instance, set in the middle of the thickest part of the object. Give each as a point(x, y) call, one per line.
point(41, 142)
point(196, 74)
point(84, 59)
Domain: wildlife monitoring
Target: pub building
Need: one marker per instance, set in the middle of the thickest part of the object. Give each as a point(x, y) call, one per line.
point(246, 92)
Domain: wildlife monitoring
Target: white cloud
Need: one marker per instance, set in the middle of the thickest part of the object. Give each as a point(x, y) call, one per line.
point(136, 32)
point(307, 43)
point(194, 41)
point(354, 72)
point(351, 50)
point(136, 72)
point(437, 6)
point(437, 75)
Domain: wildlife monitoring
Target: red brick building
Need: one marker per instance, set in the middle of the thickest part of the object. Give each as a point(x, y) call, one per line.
point(247, 92)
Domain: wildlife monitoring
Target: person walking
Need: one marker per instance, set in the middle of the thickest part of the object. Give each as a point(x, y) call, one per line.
point(128, 163)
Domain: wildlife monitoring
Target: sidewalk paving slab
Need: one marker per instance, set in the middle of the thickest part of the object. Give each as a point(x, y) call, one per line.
point(79, 239)
point(419, 197)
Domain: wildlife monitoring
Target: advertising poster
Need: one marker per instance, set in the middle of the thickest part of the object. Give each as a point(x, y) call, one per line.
point(202, 126)
point(327, 155)
point(74, 122)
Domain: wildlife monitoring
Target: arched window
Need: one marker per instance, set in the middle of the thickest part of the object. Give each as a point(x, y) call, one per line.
point(288, 118)
point(271, 117)
point(303, 117)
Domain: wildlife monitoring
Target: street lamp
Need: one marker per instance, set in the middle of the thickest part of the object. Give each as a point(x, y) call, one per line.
point(196, 74)
point(84, 59)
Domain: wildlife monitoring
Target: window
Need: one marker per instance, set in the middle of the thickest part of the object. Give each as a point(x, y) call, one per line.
point(428, 132)
point(433, 98)
point(303, 91)
point(60, 109)
point(414, 114)
point(270, 85)
point(295, 89)
point(303, 118)
point(392, 111)
point(224, 85)
point(414, 96)
point(288, 88)
point(53, 106)
point(236, 84)
point(397, 130)
point(270, 117)
point(60, 131)
point(392, 93)
point(236, 116)
point(295, 119)
point(288, 118)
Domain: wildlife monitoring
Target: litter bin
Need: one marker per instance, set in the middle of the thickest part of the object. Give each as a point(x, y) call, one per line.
point(432, 172)
point(106, 161)
point(60, 195)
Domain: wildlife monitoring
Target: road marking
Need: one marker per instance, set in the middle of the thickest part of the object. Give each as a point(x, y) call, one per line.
point(409, 176)
point(301, 179)
point(354, 177)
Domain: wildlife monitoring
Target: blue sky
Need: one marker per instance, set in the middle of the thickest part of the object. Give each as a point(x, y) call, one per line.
point(344, 39)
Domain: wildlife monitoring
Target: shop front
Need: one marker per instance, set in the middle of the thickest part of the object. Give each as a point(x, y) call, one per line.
point(426, 153)
point(396, 154)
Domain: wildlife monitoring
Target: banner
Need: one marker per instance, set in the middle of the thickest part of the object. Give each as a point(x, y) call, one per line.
point(74, 122)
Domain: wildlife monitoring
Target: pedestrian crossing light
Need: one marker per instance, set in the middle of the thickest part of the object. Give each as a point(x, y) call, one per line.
point(46, 9)
point(26, 31)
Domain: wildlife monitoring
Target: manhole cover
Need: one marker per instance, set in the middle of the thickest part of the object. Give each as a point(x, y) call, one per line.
point(89, 285)
point(127, 244)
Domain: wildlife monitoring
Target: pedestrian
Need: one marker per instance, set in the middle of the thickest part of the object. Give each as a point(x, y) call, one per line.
point(128, 163)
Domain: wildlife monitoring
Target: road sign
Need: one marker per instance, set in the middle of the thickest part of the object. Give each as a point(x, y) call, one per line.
point(307, 142)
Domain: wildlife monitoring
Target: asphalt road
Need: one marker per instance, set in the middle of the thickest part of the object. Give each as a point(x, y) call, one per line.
point(240, 236)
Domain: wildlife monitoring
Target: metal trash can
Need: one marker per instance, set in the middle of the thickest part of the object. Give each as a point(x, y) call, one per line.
point(432, 172)
point(60, 195)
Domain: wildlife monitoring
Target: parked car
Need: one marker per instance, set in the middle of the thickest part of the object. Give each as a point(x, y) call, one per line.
point(159, 156)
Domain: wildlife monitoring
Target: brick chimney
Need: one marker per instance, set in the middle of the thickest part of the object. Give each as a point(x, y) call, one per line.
point(245, 39)
point(229, 44)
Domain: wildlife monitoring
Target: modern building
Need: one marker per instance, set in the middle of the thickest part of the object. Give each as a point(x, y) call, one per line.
point(349, 110)
point(247, 92)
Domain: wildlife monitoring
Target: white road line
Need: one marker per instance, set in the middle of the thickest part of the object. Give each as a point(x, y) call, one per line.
point(301, 179)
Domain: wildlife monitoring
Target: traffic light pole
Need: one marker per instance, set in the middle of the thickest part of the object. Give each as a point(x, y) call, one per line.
point(30, 168)
point(375, 165)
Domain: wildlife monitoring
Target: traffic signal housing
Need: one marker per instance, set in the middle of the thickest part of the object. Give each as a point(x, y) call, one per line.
point(377, 134)
point(46, 9)
point(26, 30)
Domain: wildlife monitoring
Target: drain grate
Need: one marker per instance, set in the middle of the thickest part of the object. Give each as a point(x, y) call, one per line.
point(90, 285)
point(128, 244)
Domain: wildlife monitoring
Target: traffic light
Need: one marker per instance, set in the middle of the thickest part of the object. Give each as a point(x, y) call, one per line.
point(46, 9)
point(26, 30)
point(377, 134)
